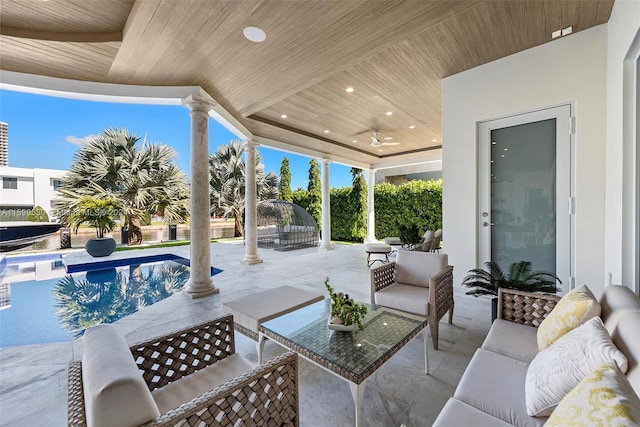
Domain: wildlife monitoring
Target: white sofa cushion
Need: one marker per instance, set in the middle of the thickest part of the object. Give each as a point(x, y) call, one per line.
point(456, 414)
point(188, 388)
point(416, 268)
point(494, 384)
point(573, 309)
point(413, 299)
point(115, 393)
point(626, 337)
point(603, 398)
point(513, 340)
point(554, 372)
point(615, 301)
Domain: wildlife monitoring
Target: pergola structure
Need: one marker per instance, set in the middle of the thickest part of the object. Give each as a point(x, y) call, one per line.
point(328, 75)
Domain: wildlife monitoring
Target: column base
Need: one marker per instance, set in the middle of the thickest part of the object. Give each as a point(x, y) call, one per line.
point(250, 260)
point(328, 247)
point(200, 294)
point(202, 290)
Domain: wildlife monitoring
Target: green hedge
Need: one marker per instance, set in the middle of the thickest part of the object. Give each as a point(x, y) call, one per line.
point(416, 202)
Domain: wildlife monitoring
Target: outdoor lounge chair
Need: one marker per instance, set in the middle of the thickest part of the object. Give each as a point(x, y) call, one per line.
point(416, 282)
point(189, 377)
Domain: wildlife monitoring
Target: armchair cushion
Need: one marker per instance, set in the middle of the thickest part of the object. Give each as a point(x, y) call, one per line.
point(115, 393)
point(416, 268)
point(187, 388)
point(413, 299)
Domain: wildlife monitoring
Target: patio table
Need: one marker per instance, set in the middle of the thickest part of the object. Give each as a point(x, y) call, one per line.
point(353, 356)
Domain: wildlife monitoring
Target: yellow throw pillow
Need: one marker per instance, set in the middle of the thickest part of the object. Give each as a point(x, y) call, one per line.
point(602, 398)
point(573, 309)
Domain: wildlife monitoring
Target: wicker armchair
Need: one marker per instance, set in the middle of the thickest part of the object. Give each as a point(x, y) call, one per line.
point(416, 282)
point(263, 396)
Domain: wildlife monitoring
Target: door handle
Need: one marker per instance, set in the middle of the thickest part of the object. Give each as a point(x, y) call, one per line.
point(487, 224)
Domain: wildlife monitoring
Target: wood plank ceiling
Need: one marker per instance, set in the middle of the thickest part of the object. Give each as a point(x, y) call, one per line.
point(394, 54)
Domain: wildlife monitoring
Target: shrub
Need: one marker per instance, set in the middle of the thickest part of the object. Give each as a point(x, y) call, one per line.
point(38, 214)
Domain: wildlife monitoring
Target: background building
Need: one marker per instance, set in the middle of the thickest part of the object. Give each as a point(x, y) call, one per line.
point(23, 189)
point(4, 144)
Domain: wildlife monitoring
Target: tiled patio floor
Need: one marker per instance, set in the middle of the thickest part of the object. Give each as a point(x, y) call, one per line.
point(33, 386)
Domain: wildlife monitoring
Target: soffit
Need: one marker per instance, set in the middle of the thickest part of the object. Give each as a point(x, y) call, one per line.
point(394, 53)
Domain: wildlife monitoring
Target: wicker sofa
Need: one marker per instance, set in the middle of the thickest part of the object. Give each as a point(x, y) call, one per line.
point(190, 377)
point(491, 391)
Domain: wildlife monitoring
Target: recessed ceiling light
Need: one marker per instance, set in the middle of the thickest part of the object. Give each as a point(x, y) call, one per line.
point(434, 140)
point(326, 131)
point(355, 140)
point(412, 127)
point(284, 116)
point(349, 89)
point(388, 113)
point(254, 34)
point(380, 150)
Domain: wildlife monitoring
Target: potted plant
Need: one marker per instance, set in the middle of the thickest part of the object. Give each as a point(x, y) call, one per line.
point(346, 313)
point(520, 277)
point(101, 214)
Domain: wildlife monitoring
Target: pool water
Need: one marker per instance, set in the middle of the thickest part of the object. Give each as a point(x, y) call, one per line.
point(41, 301)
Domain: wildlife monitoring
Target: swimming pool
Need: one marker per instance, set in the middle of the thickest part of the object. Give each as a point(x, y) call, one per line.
point(41, 301)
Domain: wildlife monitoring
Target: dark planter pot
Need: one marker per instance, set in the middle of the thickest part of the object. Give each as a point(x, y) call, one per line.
point(100, 247)
point(494, 309)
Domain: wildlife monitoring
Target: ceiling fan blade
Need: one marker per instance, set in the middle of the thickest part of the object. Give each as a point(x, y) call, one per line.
point(374, 140)
point(390, 143)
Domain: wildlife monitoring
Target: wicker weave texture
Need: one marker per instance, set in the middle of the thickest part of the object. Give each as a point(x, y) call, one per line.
point(76, 415)
point(381, 277)
point(440, 301)
point(266, 396)
point(171, 357)
point(525, 307)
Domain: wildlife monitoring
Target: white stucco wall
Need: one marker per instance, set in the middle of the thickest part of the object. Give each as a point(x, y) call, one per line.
point(570, 70)
point(621, 195)
point(23, 195)
point(35, 187)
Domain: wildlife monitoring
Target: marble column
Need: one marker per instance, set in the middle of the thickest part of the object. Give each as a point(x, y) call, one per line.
point(199, 283)
point(326, 207)
point(371, 213)
point(250, 205)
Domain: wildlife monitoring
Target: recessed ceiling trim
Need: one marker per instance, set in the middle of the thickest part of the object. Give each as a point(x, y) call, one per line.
point(309, 134)
point(61, 36)
point(419, 150)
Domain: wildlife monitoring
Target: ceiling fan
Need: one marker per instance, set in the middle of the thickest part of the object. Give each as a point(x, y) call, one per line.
point(377, 142)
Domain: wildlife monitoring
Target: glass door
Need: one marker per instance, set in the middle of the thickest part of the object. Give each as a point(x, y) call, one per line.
point(525, 188)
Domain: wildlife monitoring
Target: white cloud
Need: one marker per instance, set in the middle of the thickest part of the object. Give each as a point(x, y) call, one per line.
point(78, 140)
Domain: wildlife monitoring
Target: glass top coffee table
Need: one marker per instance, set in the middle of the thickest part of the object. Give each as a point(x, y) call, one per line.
point(354, 356)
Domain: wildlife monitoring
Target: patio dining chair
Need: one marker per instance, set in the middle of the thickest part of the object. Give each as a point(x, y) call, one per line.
point(416, 282)
point(190, 377)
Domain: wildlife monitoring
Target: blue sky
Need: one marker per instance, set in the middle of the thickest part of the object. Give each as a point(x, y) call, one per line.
point(45, 132)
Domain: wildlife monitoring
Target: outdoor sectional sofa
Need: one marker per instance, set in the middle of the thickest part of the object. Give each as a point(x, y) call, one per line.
point(491, 391)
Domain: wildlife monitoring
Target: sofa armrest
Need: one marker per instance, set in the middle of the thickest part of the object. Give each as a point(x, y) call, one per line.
point(527, 308)
point(440, 293)
point(168, 358)
point(266, 395)
point(381, 277)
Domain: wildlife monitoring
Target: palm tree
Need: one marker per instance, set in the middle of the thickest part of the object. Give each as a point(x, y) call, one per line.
point(520, 277)
point(227, 185)
point(142, 178)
